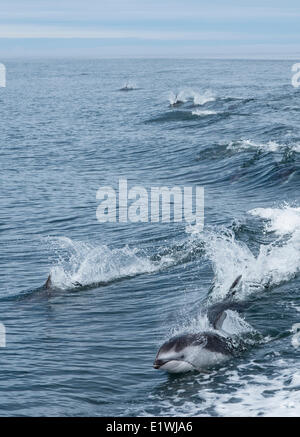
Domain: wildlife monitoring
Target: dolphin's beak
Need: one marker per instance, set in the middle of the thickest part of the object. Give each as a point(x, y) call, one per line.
point(158, 363)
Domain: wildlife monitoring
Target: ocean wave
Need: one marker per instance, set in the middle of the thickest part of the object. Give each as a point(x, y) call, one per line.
point(172, 116)
point(186, 115)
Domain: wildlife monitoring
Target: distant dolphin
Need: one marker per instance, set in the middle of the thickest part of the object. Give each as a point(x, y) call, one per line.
point(127, 87)
point(199, 351)
point(176, 101)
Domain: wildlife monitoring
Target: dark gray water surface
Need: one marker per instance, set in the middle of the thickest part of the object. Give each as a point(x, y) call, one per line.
point(66, 130)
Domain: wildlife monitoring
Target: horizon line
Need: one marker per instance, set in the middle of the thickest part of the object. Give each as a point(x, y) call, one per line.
point(161, 57)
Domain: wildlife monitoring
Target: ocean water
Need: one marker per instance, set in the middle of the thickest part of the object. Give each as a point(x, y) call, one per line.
point(66, 130)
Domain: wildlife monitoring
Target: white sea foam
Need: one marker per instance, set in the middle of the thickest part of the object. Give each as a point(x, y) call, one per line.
point(284, 220)
point(273, 392)
point(270, 146)
point(203, 113)
point(261, 395)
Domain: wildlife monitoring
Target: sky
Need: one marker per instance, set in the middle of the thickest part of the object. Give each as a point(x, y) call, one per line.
point(151, 28)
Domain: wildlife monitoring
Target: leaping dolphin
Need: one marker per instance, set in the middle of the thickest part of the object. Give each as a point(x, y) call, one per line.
point(199, 351)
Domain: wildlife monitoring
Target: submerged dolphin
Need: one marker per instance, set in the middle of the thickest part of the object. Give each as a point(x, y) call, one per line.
point(199, 351)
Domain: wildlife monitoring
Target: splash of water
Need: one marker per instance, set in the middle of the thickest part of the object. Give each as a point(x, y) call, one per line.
point(198, 99)
point(282, 221)
point(129, 85)
point(84, 263)
point(275, 263)
point(201, 99)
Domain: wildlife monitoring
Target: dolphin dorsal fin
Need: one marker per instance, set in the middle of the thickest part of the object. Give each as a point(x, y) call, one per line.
point(232, 289)
point(48, 283)
point(217, 312)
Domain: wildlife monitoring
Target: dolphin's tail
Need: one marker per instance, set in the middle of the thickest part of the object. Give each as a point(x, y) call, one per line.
point(48, 283)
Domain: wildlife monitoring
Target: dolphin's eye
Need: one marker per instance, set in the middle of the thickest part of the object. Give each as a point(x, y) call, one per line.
point(182, 356)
